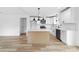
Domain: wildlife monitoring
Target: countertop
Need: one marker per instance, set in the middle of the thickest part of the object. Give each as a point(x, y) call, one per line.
point(40, 30)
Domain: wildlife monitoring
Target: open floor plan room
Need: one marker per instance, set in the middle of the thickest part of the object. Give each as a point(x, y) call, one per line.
point(19, 44)
point(39, 29)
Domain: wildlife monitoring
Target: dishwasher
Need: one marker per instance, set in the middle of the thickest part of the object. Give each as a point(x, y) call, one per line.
point(58, 33)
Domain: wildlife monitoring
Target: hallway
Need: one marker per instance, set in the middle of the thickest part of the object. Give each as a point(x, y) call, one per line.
point(19, 44)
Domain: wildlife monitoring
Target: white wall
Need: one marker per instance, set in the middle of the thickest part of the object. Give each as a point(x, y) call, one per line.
point(76, 17)
point(28, 24)
point(10, 25)
point(69, 26)
point(23, 25)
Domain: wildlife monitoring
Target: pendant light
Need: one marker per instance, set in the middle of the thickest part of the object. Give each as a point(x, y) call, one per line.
point(43, 19)
point(34, 19)
point(38, 14)
point(38, 19)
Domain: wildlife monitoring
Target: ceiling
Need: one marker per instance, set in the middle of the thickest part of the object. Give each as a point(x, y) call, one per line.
point(30, 11)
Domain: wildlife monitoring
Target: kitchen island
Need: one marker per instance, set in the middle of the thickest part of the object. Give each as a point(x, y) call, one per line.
point(39, 36)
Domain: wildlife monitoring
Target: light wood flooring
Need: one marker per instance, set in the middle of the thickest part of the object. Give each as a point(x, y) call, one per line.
point(19, 44)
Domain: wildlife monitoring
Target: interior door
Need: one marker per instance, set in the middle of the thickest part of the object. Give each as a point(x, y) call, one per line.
point(23, 26)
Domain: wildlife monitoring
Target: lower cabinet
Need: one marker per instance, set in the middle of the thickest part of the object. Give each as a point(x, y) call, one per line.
point(68, 37)
point(63, 36)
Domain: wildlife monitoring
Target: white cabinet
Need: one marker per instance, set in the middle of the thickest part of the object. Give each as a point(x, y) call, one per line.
point(54, 30)
point(67, 16)
point(68, 37)
point(55, 20)
point(63, 36)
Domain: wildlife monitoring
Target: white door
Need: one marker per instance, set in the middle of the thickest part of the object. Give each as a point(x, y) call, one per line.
point(22, 25)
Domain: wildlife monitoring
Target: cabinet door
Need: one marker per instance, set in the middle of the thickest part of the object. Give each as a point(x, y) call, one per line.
point(67, 16)
point(63, 36)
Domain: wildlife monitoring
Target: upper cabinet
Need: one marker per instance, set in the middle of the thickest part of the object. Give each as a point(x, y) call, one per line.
point(67, 15)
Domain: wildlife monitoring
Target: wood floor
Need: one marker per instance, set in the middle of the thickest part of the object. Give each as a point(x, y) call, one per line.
point(19, 44)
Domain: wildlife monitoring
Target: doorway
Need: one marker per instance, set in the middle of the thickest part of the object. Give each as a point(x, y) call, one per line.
point(23, 26)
